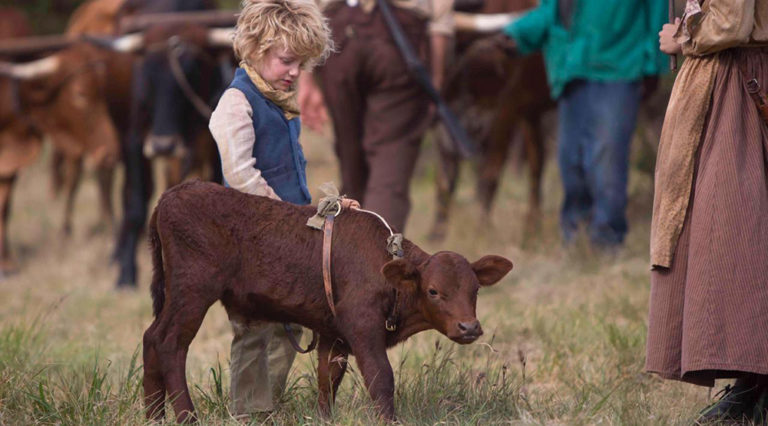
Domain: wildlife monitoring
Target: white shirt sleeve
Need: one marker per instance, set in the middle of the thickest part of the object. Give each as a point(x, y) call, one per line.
point(232, 127)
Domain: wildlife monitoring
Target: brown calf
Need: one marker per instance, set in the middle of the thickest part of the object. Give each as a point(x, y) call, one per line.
point(258, 257)
point(496, 96)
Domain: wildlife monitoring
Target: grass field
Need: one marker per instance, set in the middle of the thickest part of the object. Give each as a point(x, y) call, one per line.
point(564, 341)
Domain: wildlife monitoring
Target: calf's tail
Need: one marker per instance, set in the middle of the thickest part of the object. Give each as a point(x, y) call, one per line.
point(157, 289)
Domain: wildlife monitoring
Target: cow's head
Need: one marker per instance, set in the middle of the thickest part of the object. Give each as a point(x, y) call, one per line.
point(63, 95)
point(179, 78)
point(445, 288)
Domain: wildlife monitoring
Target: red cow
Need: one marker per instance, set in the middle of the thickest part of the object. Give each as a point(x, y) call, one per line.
point(258, 257)
point(495, 97)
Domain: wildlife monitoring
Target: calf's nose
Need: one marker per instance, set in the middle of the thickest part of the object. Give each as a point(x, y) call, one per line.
point(470, 327)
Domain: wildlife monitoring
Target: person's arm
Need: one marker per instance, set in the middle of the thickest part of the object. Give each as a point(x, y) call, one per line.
point(232, 127)
point(531, 31)
point(438, 50)
point(726, 24)
point(314, 114)
point(441, 31)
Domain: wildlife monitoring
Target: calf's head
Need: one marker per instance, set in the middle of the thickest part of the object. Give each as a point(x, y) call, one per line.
point(445, 288)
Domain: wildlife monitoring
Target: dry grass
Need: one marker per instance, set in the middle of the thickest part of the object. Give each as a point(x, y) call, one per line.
point(564, 344)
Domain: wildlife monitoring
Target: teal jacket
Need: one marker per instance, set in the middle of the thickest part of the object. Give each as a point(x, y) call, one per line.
point(608, 40)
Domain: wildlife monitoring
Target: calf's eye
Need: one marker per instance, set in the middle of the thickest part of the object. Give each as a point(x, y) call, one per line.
point(432, 292)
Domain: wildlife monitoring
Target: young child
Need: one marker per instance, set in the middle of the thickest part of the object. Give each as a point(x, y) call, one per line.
point(256, 127)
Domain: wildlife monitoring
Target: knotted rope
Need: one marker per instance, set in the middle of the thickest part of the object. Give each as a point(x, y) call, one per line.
point(333, 204)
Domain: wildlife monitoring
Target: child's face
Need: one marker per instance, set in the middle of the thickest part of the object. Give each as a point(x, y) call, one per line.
point(280, 68)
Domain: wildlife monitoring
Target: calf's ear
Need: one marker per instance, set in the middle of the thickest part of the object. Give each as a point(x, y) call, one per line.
point(490, 269)
point(401, 274)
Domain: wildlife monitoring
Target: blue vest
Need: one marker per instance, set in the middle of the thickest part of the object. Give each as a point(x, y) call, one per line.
point(277, 150)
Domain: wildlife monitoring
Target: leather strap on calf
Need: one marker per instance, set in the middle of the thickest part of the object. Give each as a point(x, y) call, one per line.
point(327, 237)
point(327, 209)
point(295, 344)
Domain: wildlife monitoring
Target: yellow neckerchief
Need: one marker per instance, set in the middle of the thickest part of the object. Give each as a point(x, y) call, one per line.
point(286, 100)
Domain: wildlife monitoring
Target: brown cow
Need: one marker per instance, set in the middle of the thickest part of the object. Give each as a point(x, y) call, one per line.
point(495, 96)
point(60, 96)
point(63, 96)
point(19, 141)
point(258, 257)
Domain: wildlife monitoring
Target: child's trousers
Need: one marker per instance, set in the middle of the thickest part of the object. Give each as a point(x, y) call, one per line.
point(259, 363)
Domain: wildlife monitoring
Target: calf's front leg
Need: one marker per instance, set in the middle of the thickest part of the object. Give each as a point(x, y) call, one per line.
point(377, 373)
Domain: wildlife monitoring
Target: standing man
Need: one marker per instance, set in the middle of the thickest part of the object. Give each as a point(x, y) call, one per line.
point(598, 54)
point(379, 112)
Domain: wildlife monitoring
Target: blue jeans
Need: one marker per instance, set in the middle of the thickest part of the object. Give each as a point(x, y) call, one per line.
point(596, 122)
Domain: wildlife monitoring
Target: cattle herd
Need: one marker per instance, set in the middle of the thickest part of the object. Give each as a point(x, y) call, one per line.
point(134, 80)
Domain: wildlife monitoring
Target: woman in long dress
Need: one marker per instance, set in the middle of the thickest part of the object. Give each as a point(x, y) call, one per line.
point(709, 237)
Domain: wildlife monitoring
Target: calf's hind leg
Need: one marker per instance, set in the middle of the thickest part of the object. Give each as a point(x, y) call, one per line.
point(173, 331)
point(331, 366)
point(154, 387)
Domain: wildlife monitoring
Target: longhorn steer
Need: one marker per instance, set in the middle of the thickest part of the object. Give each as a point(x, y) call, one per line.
point(62, 96)
point(257, 256)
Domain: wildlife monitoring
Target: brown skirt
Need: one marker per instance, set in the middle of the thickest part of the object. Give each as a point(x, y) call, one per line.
point(709, 310)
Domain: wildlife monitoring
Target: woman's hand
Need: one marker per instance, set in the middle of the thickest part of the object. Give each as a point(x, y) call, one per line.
point(667, 43)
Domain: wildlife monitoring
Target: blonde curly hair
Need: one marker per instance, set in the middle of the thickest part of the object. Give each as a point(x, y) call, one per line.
point(296, 25)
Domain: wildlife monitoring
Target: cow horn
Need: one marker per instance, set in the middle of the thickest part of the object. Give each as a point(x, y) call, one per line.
point(30, 70)
point(221, 37)
point(128, 43)
point(483, 22)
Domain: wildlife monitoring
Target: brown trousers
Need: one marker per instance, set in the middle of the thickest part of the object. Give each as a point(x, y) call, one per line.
point(379, 112)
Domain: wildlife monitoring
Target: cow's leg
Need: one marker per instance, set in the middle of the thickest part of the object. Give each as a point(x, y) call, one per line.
point(178, 324)
point(105, 175)
point(154, 386)
point(447, 176)
point(534, 152)
point(174, 172)
point(73, 172)
point(371, 355)
point(331, 366)
point(493, 159)
point(137, 187)
point(57, 172)
point(136, 193)
point(6, 263)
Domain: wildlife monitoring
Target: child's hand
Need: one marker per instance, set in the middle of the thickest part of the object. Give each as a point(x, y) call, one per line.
point(667, 43)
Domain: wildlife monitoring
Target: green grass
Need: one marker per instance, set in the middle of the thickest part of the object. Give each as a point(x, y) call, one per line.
point(564, 331)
